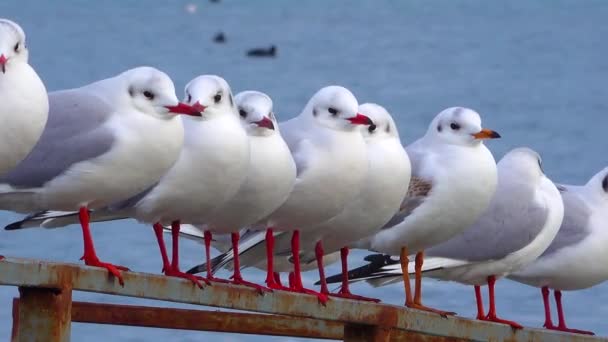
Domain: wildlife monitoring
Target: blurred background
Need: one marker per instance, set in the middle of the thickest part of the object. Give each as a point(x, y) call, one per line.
point(535, 71)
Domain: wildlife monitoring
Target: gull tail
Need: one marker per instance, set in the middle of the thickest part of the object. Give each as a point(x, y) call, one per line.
point(58, 219)
point(250, 244)
point(381, 270)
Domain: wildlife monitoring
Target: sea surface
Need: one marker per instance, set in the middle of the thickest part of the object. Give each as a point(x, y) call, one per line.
point(535, 70)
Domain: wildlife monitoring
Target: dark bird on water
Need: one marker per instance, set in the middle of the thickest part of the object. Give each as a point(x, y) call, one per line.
point(262, 52)
point(220, 37)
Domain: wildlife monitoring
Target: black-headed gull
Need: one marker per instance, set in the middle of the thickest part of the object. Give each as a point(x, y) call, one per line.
point(519, 224)
point(270, 177)
point(383, 189)
point(24, 104)
point(331, 163)
point(102, 143)
point(453, 179)
point(575, 259)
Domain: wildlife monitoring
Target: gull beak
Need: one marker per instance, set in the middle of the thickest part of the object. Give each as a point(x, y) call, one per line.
point(182, 108)
point(360, 119)
point(3, 61)
point(486, 134)
point(265, 122)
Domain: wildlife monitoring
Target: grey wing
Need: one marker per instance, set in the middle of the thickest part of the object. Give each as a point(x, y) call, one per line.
point(502, 229)
point(417, 192)
point(575, 226)
point(73, 133)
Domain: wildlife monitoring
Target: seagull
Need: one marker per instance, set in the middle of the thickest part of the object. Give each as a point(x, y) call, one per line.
point(516, 228)
point(270, 177)
point(450, 163)
point(331, 164)
point(575, 259)
point(383, 189)
point(211, 167)
point(24, 104)
point(102, 143)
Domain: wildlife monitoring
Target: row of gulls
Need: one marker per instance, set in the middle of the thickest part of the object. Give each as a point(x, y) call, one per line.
point(295, 195)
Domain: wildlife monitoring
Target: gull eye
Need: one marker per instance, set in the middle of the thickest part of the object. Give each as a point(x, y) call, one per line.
point(454, 126)
point(332, 111)
point(372, 128)
point(149, 95)
point(242, 113)
point(217, 98)
point(605, 184)
point(16, 48)
point(188, 97)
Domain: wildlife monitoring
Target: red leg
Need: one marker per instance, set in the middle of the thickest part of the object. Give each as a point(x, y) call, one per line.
point(292, 284)
point(562, 320)
point(90, 257)
point(491, 317)
point(319, 256)
point(208, 237)
point(479, 300)
point(158, 231)
point(237, 278)
point(548, 322)
point(297, 274)
point(344, 289)
point(173, 270)
point(273, 280)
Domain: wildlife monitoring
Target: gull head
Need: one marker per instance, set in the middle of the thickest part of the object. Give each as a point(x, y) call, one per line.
point(384, 126)
point(522, 163)
point(152, 92)
point(212, 94)
point(336, 107)
point(255, 111)
point(459, 126)
point(598, 184)
point(12, 45)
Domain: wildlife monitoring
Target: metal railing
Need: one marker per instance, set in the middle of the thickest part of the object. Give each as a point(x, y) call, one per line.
point(45, 310)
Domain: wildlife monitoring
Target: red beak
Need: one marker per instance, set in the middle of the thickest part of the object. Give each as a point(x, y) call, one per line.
point(3, 63)
point(182, 108)
point(265, 122)
point(361, 119)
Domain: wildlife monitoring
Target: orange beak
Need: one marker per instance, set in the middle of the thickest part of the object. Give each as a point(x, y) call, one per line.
point(186, 109)
point(486, 134)
point(361, 119)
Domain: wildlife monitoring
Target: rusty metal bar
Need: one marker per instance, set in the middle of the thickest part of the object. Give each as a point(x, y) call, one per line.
point(37, 273)
point(366, 333)
point(44, 315)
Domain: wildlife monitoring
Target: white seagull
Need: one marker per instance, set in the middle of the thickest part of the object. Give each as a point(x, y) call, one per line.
point(331, 163)
point(211, 167)
point(24, 104)
point(575, 259)
point(383, 189)
point(453, 179)
point(102, 143)
point(270, 177)
point(516, 228)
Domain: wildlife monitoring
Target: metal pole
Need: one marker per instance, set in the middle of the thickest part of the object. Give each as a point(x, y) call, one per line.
point(45, 314)
point(366, 333)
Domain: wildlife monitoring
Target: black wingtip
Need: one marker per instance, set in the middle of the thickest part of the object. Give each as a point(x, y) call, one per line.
point(376, 262)
point(197, 269)
point(14, 226)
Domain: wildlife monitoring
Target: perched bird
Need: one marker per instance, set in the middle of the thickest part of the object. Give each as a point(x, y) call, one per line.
point(270, 177)
point(262, 52)
point(450, 163)
point(103, 143)
point(383, 189)
point(24, 104)
point(575, 259)
point(518, 225)
point(331, 163)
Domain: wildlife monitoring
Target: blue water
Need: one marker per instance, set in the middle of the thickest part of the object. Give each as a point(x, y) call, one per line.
point(536, 72)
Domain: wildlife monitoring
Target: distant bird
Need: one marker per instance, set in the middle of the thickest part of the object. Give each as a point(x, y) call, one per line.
point(219, 37)
point(261, 52)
